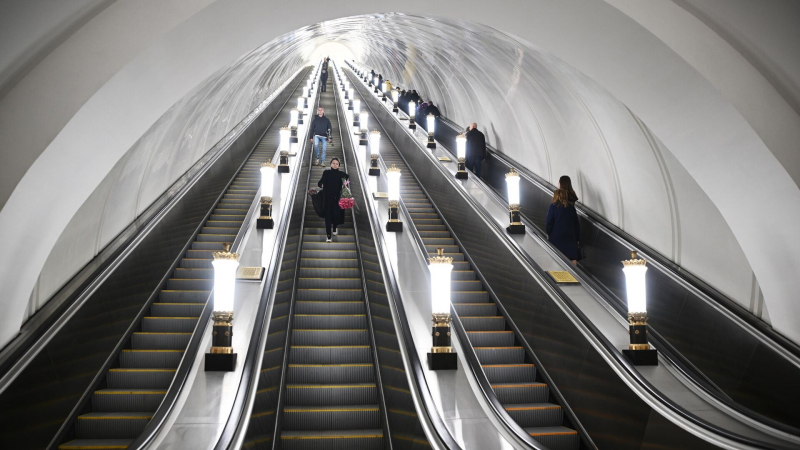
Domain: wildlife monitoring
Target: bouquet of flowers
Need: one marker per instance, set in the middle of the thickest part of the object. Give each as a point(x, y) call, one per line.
point(346, 201)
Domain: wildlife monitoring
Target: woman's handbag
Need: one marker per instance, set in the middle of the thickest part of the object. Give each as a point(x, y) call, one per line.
point(318, 201)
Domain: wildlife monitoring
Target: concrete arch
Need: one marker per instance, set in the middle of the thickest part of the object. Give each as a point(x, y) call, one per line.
point(611, 53)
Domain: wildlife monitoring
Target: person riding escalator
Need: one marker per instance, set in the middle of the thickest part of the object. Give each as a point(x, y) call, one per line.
point(331, 183)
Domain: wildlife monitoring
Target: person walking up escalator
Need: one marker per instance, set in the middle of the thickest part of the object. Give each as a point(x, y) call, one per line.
point(331, 184)
point(476, 149)
point(323, 79)
point(320, 132)
point(563, 226)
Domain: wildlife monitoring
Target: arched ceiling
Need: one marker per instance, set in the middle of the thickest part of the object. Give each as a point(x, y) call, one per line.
point(581, 87)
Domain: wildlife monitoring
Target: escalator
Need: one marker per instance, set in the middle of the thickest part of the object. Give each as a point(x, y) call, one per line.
point(513, 375)
point(330, 393)
point(112, 407)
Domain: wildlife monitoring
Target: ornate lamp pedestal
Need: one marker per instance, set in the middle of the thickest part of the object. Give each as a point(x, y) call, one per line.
point(442, 356)
point(283, 166)
point(516, 226)
point(221, 358)
point(264, 221)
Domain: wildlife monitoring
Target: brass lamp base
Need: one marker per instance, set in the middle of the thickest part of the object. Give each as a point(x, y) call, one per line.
point(442, 361)
point(265, 223)
point(394, 227)
point(283, 168)
point(647, 357)
point(220, 362)
point(516, 228)
point(462, 175)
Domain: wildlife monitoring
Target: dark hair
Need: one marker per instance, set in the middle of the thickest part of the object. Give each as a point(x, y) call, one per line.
point(335, 159)
point(565, 183)
point(561, 197)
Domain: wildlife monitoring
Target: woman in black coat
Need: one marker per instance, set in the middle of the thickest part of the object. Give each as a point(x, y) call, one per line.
point(331, 184)
point(562, 225)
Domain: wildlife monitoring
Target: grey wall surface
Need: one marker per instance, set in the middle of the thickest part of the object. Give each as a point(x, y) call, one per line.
point(566, 86)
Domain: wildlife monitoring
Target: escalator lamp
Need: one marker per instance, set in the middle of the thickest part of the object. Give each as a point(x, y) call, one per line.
point(395, 96)
point(394, 183)
point(295, 113)
point(440, 266)
point(363, 118)
point(374, 142)
point(305, 92)
point(300, 102)
point(267, 179)
point(635, 284)
point(431, 124)
point(412, 108)
point(225, 265)
point(350, 93)
point(512, 182)
point(284, 143)
point(356, 105)
point(461, 146)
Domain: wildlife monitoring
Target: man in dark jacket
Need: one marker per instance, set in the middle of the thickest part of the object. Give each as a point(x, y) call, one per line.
point(432, 109)
point(320, 132)
point(323, 79)
point(476, 149)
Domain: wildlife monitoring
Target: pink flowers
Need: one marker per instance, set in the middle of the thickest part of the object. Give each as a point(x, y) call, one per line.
point(346, 201)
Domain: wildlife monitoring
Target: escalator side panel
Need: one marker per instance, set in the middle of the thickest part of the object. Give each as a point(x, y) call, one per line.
point(735, 360)
point(36, 404)
point(612, 414)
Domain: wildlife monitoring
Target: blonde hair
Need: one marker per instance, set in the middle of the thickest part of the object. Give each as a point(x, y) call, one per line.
point(561, 197)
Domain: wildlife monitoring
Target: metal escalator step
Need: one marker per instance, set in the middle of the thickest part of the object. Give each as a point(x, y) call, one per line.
point(96, 444)
point(327, 246)
point(331, 373)
point(332, 440)
point(329, 254)
point(329, 337)
point(329, 272)
point(129, 400)
point(500, 355)
point(159, 309)
point(183, 296)
point(536, 414)
point(224, 223)
point(338, 417)
point(421, 227)
point(329, 307)
point(320, 237)
point(510, 373)
point(150, 359)
point(262, 423)
point(218, 230)
point(200, 254)
point(169, 324)
point(190, 263)
point(467, 285)
point(190, 284)
point(215, 237)
point(309, 230)
point(140, 378)
point(521, 392)
point(475, 309)
point(555, 438)
point(215, 246)
point(491, 338)
point(331, 394)
point(328, 283)
point(463, 275)
point(483, 323)
point(479, 296)
point(160, 341)
point(444, 242)
point(329, 294)
point(330, 321)
point(329, 354)
point(204, 273)
point(228, 217)
point(111, 425)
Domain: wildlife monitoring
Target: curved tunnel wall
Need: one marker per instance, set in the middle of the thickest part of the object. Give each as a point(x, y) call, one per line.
point(576, 106)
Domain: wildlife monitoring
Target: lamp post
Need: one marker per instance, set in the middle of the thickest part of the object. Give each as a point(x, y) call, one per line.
point(383, 90)
point(222, 357)
point(293, 140)
point(412, 110)
point(441, 356)
point(356, 115)
point(395, 98)
point(283, 163)
point(394, 224)
point(638, 351)
point(305, 97)
point(377, 88)
point(265, 221)
point(351, 94)
point(512, 181)
point(461, 151)
point(363, 119)
point(431, 129)
point(375, 145)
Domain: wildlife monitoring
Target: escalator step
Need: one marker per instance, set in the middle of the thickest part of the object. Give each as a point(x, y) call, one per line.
point(96, 444)
point(160, 341)
point(183, 296)
point(475, 309)
point(469, 296)
point(215, 246)
point(491, 338)
point(194, 272)
point(341, 263)
point(329, 307)
point(329, 337)
point(129, 400)
point(189, 284)
point(521, 392)
point(483, 323)
point(329, 272)
point(329, 294)
point(331, 394)
point(190, 263)
point(328, 246)
point(339, 417)
point(150, 359)
point(331, 373)
point(169, 324)
point(500, 355)
point(329, 354)
point(159, 309)
point(536, 414)
point(555, 438)
point(510, 373)
point(330, 321)
point(332, 440)
point(463, 274)
point(216, 237)
point(140, 378)
point(111, 425)
point(329, 283)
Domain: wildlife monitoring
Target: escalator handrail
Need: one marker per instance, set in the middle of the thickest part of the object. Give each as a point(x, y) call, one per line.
point(501, 415)
point(184, 369)
point(761, 330)
point(678, 360)
point(416, 376)
point(612, 353)
point(234, 427)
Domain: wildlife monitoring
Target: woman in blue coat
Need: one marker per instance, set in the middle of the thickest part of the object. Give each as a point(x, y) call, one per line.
point(563, 226)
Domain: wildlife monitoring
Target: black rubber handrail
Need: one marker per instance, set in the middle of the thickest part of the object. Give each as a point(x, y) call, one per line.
point(610, 349)
point(417, 371)
point(250, 371)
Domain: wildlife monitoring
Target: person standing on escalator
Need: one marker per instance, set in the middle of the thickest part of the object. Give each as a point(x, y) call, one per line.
point(320, 132)
point(323, 79)
point(563, 226)
point(331, 184)
point(476, 149)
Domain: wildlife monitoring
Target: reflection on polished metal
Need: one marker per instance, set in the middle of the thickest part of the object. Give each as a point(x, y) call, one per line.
point(638, 351)
point(431, 130)
point(512, 181)
point(461, 145)
point(264, 220)
point(222, 357)
point(394, 224)
point(375, 149)
point(441, 356)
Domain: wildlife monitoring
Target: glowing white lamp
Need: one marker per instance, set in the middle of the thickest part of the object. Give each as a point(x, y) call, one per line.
point(305, 91)
point(364, 119)
point(431, 128)
point(394, 224)
point(374, 146)
point(638, 351)
point(294, 114)
point(265, 221)
point(356, 116)
point(512, 183)
point(351, 93)
point(284, 141)
point(441, 356)
point(301, 102)
point(222, 357)
point(225, 265)
point(461, 152)
point(412, 111)
point(286, 137)
point(395, 98)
